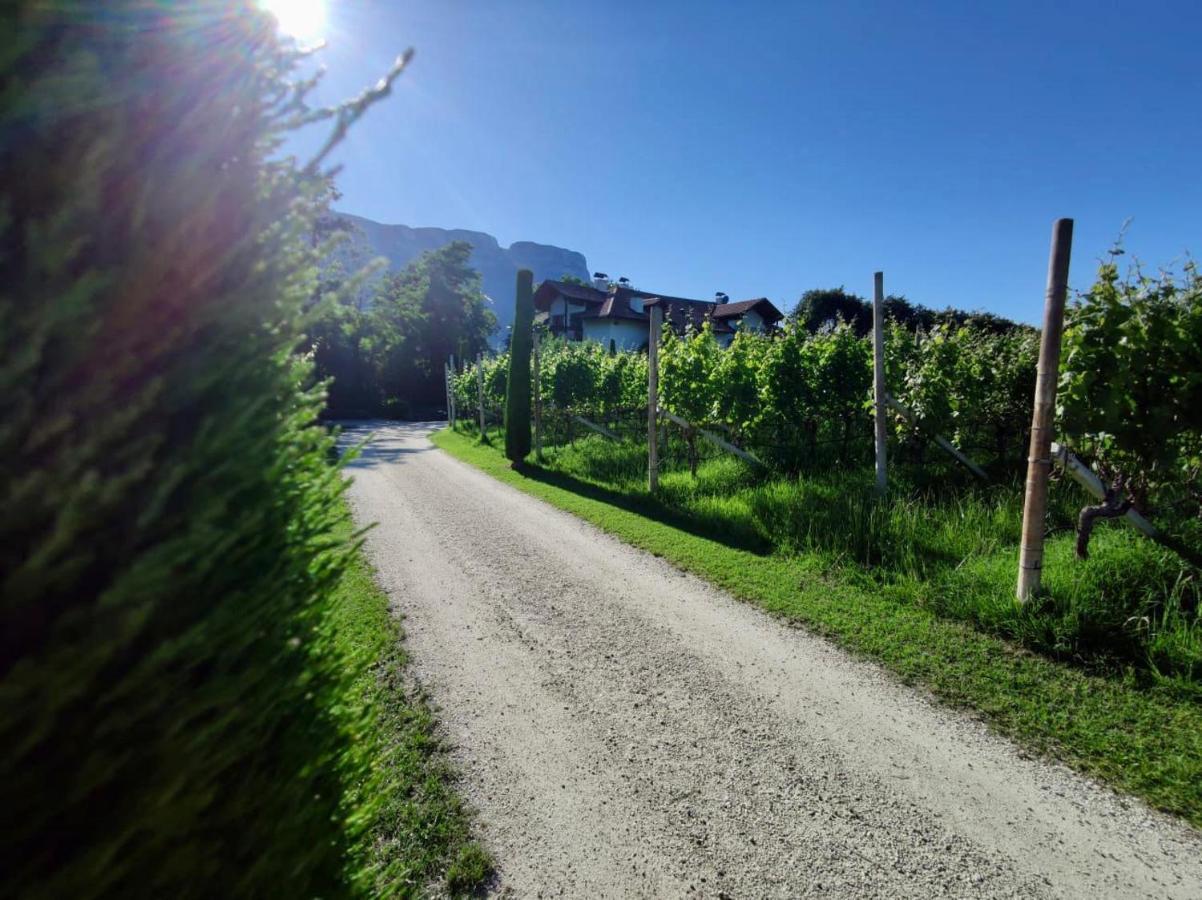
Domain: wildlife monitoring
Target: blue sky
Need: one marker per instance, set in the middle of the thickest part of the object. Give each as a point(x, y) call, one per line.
point(765, 148)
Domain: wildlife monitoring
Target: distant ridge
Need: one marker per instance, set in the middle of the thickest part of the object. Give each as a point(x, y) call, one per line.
point(498, 266)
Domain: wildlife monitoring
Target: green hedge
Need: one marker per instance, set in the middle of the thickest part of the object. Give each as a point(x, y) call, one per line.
point(166, 548)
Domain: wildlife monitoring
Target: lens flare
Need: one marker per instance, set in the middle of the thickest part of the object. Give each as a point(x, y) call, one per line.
point(303, 19)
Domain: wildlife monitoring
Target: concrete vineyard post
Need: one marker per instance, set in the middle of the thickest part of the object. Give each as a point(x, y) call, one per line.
point(657, 318)
point(446, 377)
point(451, 373)
point(1039, 459)
point(879, 395)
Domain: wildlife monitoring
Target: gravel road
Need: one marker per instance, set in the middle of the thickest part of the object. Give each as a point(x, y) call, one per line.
point(624, 729)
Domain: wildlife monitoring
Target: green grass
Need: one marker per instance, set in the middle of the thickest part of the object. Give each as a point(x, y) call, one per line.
point(927, 621)
point(410, 831)
point(945, 543)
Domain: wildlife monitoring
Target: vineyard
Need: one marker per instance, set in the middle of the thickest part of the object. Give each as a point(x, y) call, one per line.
point(798, 404)
point(798, 400)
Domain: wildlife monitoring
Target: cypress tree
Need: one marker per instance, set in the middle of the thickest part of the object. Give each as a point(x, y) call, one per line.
point(517, 388)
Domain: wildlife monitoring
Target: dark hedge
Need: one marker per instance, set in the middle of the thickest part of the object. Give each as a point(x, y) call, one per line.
point(166, 549)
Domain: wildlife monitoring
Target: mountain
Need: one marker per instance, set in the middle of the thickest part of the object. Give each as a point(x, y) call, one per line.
point(497, 265)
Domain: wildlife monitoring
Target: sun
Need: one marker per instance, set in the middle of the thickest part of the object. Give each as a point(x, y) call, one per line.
point(303, 19)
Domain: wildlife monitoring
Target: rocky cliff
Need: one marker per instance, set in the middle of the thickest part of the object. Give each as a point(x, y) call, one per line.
point(498, 265)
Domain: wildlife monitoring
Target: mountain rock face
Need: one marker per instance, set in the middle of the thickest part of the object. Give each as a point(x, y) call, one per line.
point(497, 265)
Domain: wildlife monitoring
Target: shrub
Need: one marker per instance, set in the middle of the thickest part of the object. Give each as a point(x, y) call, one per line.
point(166, 556)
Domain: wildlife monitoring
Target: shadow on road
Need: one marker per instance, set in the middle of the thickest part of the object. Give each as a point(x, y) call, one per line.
point(718, 531)
point(378, 441)
point(382, 441)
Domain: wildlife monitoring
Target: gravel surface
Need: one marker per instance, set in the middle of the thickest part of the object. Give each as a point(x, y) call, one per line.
point(624, 729)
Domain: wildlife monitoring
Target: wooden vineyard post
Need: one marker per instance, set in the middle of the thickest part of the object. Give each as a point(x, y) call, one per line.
point(480, 388)
point(879, 395)
point(657, 318)
point(538, 397)
point(1039, 458)
point(451, 387)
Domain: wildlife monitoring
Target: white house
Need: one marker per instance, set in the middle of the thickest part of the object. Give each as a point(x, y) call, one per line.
point(606, 312)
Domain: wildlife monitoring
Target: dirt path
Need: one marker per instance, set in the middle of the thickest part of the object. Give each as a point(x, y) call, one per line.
point(627, 730)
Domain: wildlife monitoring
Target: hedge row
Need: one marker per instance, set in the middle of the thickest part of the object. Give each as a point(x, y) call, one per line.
point(166, 548)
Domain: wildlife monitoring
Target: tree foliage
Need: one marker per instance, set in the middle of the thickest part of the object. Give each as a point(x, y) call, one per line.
point(820, 307)
point(388, 358)
point(823, 307)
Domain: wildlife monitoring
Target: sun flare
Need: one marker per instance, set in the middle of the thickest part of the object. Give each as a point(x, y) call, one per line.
point(303, 19)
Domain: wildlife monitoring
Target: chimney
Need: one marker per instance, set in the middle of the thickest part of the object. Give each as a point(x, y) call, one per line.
point(624, 282)
point(720, 297)
point(601, 281)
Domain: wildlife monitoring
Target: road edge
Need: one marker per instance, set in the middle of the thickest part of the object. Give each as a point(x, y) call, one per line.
point(409, 825)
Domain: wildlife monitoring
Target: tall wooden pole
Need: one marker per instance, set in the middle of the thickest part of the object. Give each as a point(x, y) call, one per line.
point(880, 397)
point(657, 321)
point(538, 396)
point(1039, 459)
point(480, 388)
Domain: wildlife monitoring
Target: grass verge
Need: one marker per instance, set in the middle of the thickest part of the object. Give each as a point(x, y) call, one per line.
point(410, 832)
point(1139, 737)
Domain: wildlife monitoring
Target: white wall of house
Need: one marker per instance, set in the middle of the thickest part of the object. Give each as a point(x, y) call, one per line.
point(625, 333)
point(749, 321)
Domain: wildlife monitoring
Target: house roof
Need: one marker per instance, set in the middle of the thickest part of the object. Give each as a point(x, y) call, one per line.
point(762, 305)
point(617, 306)
point(681, 312)
point(549, 290)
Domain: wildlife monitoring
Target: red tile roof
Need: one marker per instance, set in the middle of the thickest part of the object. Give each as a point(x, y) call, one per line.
point(616, 306)
point(549, 290)
point(765, 307)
